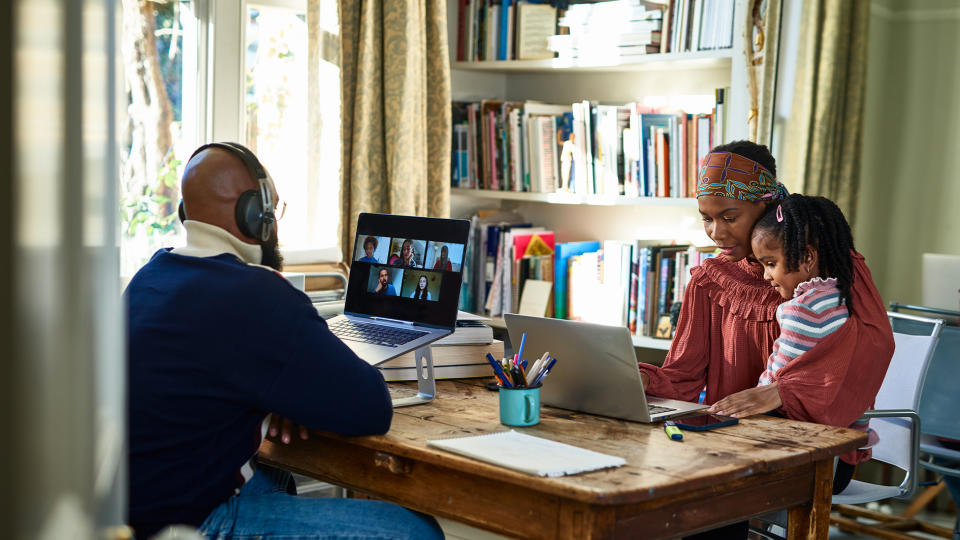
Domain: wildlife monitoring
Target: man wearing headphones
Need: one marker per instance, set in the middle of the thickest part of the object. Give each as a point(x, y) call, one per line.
point(217, 342)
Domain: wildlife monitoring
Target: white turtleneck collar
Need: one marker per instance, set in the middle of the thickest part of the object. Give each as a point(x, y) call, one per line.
point(205, 240)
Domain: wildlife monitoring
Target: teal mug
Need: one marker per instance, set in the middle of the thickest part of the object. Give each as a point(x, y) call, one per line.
point(520, 406)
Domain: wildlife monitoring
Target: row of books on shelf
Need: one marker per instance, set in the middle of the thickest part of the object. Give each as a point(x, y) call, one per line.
point(604, 32)
point(585, 148)
point(630, 284)
point(514, 267)
point(700, 25)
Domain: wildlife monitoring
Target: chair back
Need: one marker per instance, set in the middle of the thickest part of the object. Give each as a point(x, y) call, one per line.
point(939, 396)
point(901, 388)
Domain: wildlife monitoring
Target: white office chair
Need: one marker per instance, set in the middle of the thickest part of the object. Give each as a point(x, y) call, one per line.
point(895, 420)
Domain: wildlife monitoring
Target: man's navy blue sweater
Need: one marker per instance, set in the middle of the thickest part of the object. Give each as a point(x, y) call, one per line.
point(214, 346)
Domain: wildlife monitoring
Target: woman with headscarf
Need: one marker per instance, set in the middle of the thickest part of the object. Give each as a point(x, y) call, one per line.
point(443, 261)
point(727, 324)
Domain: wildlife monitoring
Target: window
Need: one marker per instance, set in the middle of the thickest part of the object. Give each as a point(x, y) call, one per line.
point(292, 113)
point(286, 112)
point(159, 57)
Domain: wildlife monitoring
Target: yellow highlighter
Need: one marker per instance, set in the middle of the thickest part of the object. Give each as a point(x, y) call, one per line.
point(672, 431)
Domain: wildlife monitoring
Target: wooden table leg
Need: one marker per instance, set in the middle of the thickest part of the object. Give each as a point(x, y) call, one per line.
point(812, 520)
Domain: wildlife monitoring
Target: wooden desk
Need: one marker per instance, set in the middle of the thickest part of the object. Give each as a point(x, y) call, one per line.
point(667, 488)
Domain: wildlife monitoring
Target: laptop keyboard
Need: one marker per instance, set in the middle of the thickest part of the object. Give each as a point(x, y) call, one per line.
point(657, 409)
point(387, 336)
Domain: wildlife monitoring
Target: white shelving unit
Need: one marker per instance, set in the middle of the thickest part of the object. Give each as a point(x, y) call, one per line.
point(645, 342)
point(590, 217)
point(572, 198)
point(720, 58)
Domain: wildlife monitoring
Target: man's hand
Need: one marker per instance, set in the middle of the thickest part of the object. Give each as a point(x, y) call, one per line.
point(379, 286)
point(285, 427)
point(749, 402)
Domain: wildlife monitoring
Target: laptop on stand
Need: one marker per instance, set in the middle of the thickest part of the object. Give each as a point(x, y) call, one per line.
point(596, 369)
point(404, 285)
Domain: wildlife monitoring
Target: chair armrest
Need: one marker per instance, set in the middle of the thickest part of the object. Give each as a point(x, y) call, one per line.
point(334, 275)
point(893, 413)
point(935, 467)
point(909, 483)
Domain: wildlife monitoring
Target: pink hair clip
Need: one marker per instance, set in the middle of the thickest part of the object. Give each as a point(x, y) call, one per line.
point(779, 213)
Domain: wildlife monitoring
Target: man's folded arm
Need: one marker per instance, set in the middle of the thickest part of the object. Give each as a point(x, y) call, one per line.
point(325, 386)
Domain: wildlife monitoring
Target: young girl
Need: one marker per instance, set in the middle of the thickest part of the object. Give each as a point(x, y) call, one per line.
point(805, 247)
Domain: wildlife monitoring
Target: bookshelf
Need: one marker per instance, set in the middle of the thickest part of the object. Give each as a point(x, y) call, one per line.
point(572, 198)
point(575, 217)
point(716, 59)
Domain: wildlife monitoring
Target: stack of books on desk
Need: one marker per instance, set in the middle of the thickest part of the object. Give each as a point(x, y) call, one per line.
point(471, 330)
point(449, 362)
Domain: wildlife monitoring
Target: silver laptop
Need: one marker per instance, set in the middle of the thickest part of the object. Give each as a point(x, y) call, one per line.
point(596, 370)
point(404, 285)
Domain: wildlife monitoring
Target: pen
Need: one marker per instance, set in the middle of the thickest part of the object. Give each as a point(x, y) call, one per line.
point(523, 340)
point(535, 369)
point(672, 431)
point(516, 375)
point(543, 373)
point(498, 371)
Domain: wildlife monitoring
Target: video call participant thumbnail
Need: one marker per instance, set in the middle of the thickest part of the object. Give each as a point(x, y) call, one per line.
point(421, 285)
point(444, 256)
point(407, 253)
point(381, 279)
point(369, 250)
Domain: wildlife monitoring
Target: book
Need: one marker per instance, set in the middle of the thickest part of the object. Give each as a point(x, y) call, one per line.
point(449, 362)
point(470, 330)
point(503, 35)
point(528, 454)
point(563, 252)
point(535, 23)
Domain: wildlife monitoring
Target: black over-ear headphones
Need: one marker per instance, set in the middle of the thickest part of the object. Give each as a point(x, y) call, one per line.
point(254, 212)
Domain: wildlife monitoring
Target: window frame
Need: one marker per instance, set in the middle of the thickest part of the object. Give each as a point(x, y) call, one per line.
point(222, 90)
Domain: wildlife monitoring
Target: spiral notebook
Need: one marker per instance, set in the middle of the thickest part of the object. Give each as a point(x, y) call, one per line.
point(528, 454)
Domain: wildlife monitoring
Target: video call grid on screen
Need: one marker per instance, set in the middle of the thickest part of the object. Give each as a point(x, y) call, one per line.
point(403, 267)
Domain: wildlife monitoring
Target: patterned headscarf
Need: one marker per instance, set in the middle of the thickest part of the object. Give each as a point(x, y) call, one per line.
point(726, 174)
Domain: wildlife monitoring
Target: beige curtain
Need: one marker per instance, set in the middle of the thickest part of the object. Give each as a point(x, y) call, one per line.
point(762, 48)
point(824, 134)
point(395, 88)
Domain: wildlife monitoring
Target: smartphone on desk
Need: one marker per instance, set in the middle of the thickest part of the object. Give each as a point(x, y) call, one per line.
point(703, 422)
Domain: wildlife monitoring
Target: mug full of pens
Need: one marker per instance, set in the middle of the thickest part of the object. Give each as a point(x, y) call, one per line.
point(520, 386)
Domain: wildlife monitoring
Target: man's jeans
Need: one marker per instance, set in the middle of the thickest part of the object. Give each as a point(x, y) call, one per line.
point(265, 508)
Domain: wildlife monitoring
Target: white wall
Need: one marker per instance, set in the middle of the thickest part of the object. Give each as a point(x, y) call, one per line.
point(909, 196)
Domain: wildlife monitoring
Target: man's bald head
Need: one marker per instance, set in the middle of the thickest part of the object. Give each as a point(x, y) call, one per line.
point(213, 180)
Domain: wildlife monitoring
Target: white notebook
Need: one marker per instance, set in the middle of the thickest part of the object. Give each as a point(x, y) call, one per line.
point(528, 454)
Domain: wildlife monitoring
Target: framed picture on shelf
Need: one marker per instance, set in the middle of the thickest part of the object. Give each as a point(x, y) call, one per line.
point(664, 329)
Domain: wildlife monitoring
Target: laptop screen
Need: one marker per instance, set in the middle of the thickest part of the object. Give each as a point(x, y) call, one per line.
point(407, 268)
